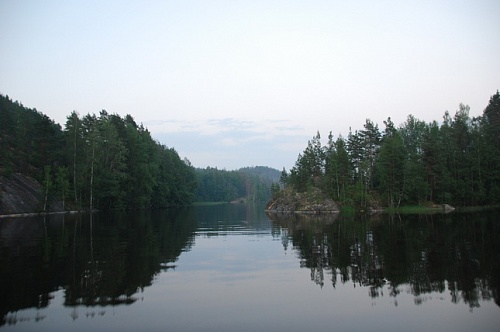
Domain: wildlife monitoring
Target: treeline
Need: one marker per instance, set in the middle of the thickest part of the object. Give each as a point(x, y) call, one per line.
point(249, 183)
point(96, 162)
point(456, 161)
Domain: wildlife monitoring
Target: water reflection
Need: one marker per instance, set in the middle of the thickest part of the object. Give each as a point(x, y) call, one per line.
point(199, 264)
point(104, 259)
point(234, 219)
point(96, 259)
point(417, 254)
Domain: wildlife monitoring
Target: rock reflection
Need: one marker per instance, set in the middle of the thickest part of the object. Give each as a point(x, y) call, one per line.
point(419, 254)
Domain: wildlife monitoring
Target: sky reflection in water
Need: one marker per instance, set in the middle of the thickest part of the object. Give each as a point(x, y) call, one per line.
point(245, 274)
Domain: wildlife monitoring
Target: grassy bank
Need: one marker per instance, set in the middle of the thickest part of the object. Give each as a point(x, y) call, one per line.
point(208, 203)
point(422, 209)
point(415, 209)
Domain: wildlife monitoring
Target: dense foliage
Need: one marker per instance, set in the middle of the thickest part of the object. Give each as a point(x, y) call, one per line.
point(249, 183)
point(456, 162)
point(104, 162)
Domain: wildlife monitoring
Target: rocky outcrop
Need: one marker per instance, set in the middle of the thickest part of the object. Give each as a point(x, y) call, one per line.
point(20, 194)
point(311, 202)
point(448, 208)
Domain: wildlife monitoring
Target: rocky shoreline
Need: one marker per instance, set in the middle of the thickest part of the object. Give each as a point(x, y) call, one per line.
point(313, 202)
point(316, 202)
point(22, 196)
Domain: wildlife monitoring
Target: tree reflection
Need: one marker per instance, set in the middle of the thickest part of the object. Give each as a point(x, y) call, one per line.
point(458, 253)
point(101, 259)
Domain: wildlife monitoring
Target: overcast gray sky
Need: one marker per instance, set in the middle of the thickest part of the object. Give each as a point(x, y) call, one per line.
point(230, 84)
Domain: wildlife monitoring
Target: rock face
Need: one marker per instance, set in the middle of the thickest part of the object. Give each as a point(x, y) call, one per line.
point(313, 202)
point(448, 208)
point(21, 194)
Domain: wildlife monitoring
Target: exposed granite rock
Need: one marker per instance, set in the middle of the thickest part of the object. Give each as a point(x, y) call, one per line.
point(20, 194)
point(313, 202)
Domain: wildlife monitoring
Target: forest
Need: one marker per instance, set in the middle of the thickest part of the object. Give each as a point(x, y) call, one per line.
point(96, 162)
point(455, 161)
point(110, 162)
point(248, 184)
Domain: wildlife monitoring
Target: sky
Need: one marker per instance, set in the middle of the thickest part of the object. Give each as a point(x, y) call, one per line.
point(232, 84)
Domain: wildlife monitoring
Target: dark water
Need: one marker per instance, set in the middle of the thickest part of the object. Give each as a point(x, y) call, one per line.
point(232, 267)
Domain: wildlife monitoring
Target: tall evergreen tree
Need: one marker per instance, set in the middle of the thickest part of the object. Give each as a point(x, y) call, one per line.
point(416, 187)
point(74, 144)
point(355, 148)
point(309, 168)
point(390, 165)
point(337, 168)
point(491, 170)
point(370, 138)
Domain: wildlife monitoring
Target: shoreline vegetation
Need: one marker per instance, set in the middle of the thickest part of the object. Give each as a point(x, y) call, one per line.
point(316, 202)
point(416, 166)
point(109, 162)
point(105, 162)
point(342, 211)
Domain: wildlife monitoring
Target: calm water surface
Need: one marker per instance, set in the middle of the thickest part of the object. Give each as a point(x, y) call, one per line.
point(232, 267)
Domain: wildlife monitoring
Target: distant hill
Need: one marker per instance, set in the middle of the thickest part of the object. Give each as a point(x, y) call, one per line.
point(263, 172)
point(246, 184)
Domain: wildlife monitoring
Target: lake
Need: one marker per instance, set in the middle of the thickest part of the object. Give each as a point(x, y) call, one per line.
point(233, 267)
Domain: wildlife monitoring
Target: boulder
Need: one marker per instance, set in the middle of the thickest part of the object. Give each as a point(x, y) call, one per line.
point(312, 202)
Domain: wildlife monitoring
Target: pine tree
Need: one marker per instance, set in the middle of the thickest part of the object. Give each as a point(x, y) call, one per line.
point(390, 165)
point(74, 144)
point(370, 140)
point(491, 170)
point(309, 167)
point(337, 168)
point(412, 133)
